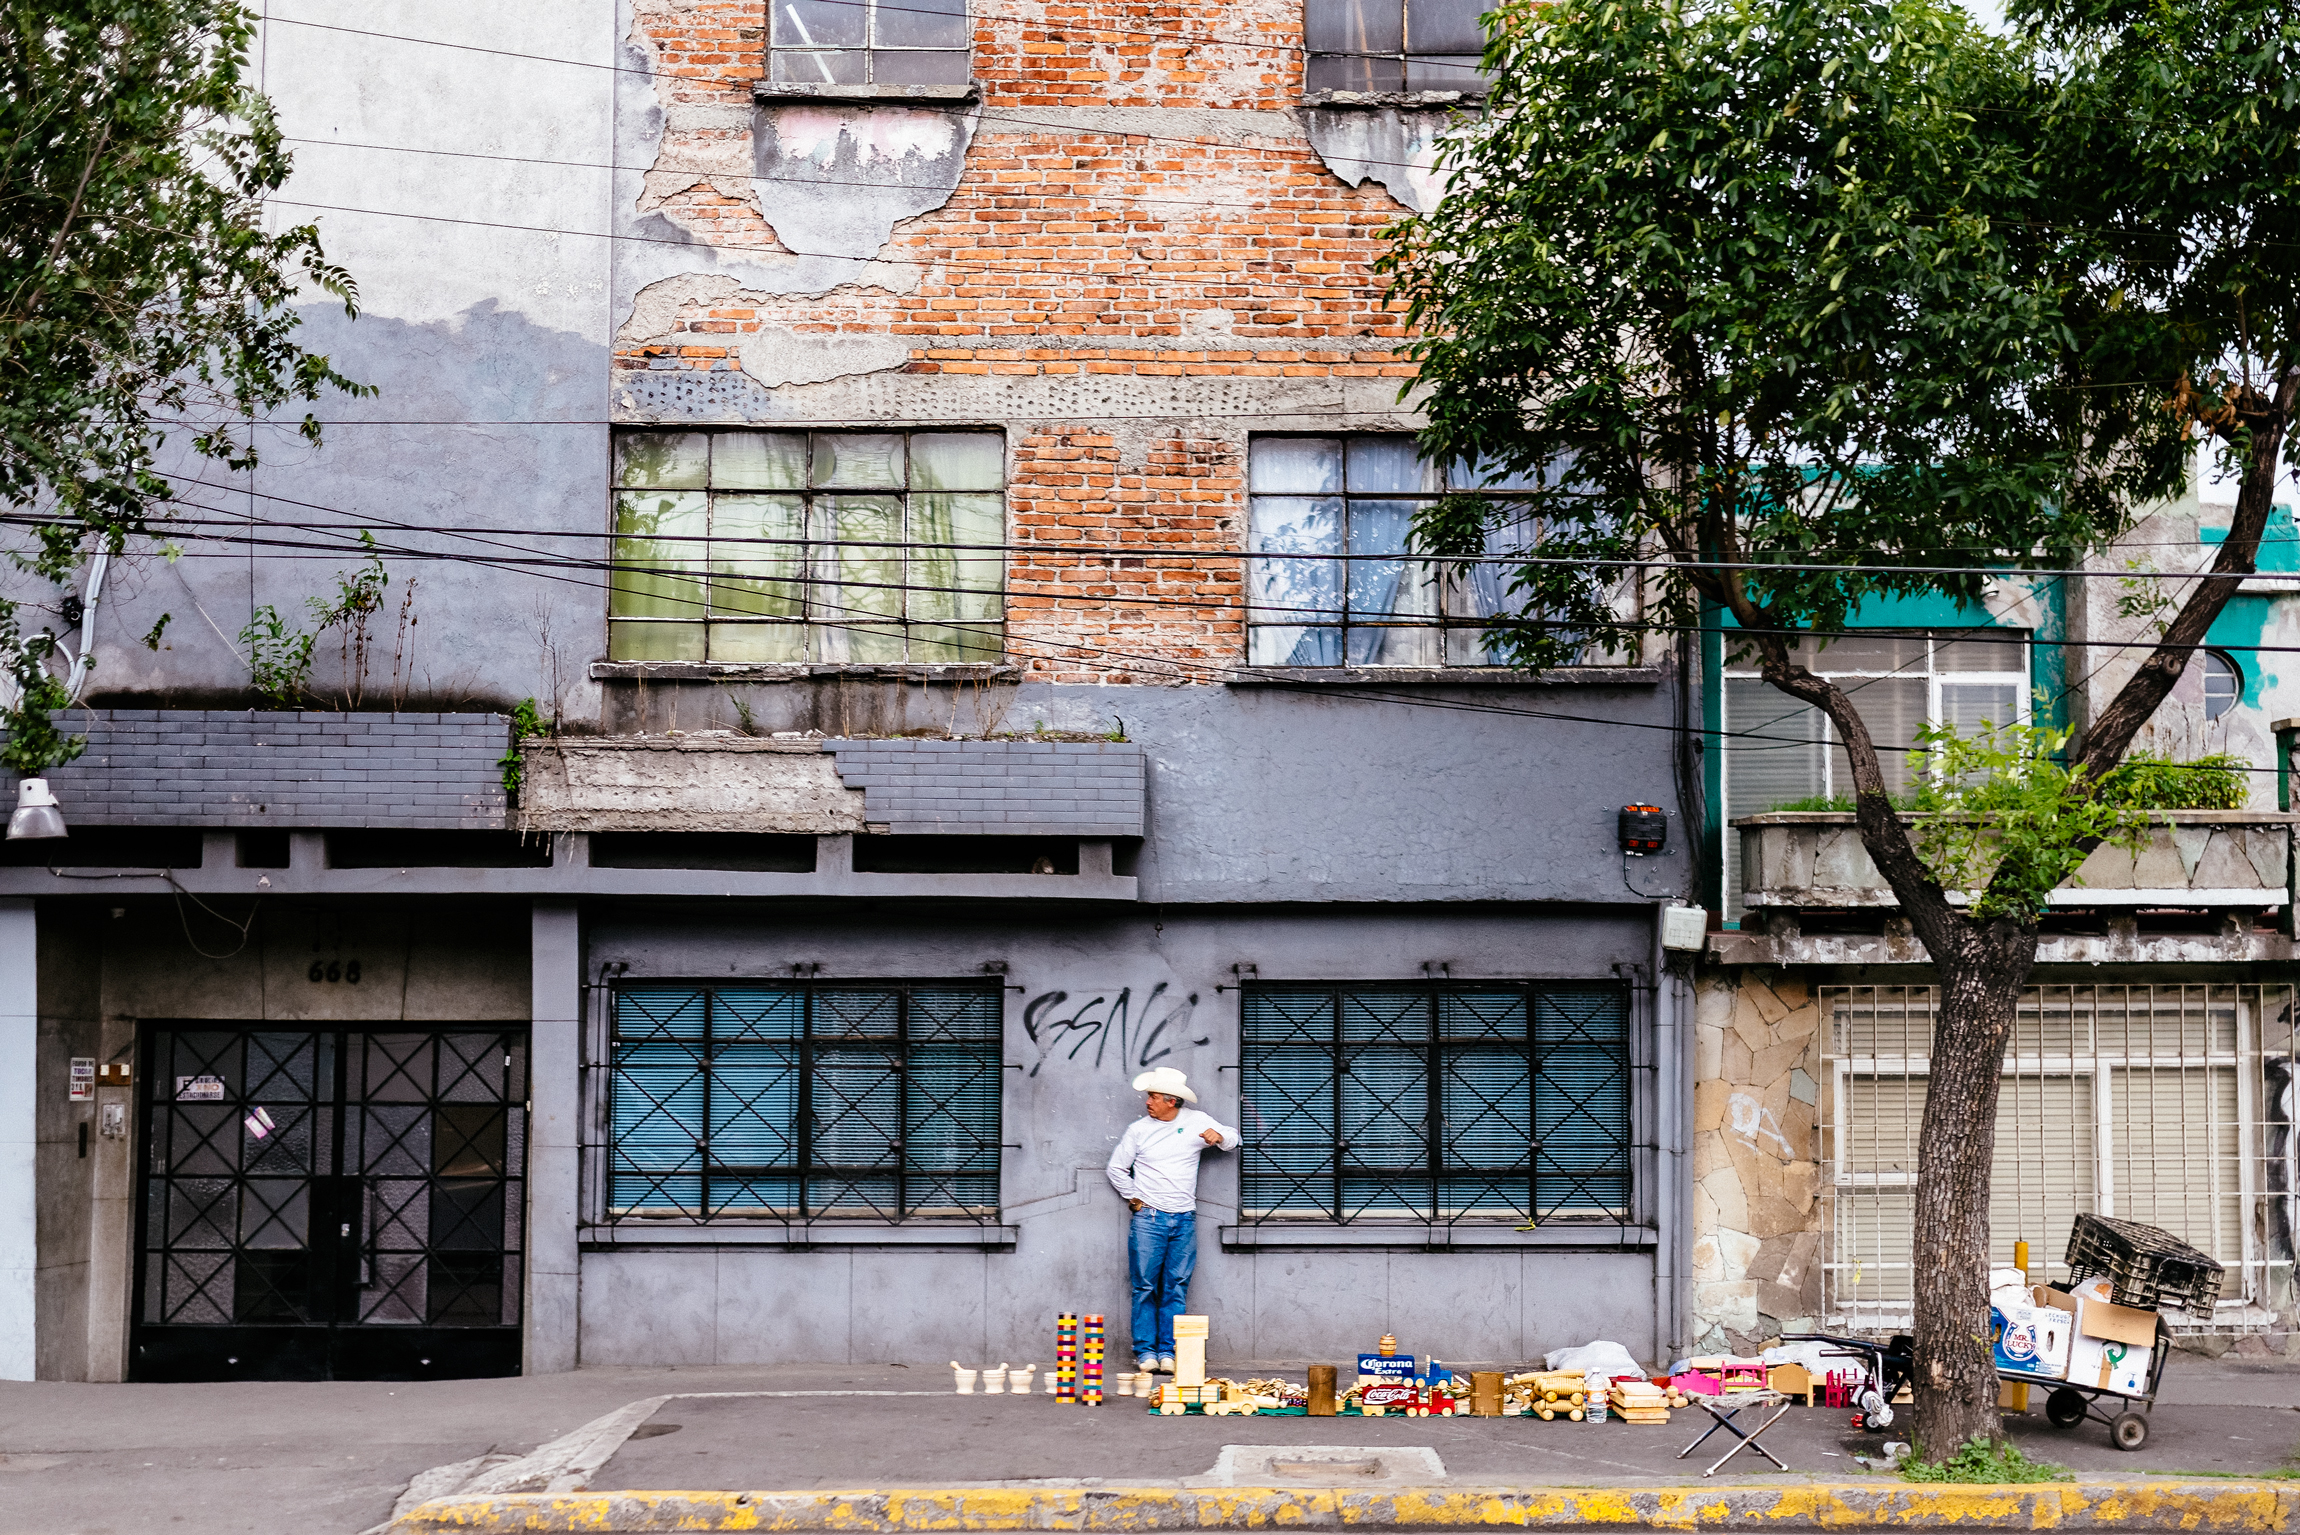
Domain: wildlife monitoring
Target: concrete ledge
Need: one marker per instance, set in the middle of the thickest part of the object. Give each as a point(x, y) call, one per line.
point(2095, 1505)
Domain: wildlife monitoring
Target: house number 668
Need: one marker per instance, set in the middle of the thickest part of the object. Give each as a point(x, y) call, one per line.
point(335, 970)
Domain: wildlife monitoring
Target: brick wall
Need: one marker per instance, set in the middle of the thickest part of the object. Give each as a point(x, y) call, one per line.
point(1016, 788)
point(170, 767)
point(1163, 249)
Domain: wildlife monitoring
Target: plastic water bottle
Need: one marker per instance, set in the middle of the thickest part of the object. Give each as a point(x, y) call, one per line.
point(1595, 1390)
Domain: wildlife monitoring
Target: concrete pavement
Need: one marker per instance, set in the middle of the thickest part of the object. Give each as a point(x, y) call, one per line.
point(319, 1458)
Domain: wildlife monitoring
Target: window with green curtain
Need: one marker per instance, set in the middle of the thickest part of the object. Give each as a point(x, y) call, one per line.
point(1487, 1101)
point(755, 546)
point(805, 1101)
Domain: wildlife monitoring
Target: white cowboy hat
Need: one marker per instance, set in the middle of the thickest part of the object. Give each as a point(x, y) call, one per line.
point(1165, 1079)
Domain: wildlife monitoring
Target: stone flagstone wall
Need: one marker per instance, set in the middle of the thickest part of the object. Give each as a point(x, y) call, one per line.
point(1758, 1234)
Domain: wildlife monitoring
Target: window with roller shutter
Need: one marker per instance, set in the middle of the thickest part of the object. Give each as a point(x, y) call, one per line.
point(1487, 1102)
point(2165, 1104)
point(1779, 751)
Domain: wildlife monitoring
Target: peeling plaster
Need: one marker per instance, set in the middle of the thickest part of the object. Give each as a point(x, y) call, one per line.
point(835, 180)
point(1397, 149)
point(779, 355)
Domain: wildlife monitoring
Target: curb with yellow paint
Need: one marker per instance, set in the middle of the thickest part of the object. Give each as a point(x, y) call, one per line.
point(2140, 1505)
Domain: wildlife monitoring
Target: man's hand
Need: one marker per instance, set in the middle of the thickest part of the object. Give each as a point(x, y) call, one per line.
point(1135, 1205)
point(1211, 1137)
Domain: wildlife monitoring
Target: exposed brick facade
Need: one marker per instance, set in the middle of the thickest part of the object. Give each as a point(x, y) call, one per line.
point(1139, 209)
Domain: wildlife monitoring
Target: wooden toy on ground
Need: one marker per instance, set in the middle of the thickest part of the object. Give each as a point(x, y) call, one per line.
point(1321, 1402)
point(1485, 1393)
point(1638, 1401)
point(1066, 1359)
point(1090, 1376)
point(1190, 1350)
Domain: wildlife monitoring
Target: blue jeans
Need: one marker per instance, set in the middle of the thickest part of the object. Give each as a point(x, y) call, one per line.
point(1161, 1254)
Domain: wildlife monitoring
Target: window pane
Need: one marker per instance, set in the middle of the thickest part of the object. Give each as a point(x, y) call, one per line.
point(634, 640)
point(920, 24)
point(866, 460)
point(1351, 72)
point(666, 460)
point(1445, 26)
point(2223, 684)
point(957, 461)
point(1387, 465)
point(754, 1105)
point(1457, 73)
point(1966, 654)
point(1297, 602)
point(820, 68)
point(1289, 1128)
point(1302, 466)
point(1893, 708)
point(1872, 652)
point(859, 577)
point(958, 585)
point(819, 23)
point(759, 460)
point(659, 555)
point(919, 67)
point(1385, 1109)
point(758, 556)
point(1353, 26)
point(1381, 589)
point(1966, 704)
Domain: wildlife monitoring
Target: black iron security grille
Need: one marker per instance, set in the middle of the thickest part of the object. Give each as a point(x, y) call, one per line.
point(307, 1189)
point(1485, 1102)
point(805, 1101)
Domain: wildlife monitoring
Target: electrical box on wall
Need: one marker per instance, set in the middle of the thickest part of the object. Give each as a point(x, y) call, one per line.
point(1644, 829)
point(1684, 927)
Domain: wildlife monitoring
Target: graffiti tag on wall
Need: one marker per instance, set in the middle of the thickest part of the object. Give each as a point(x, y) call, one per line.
point(1106, 1028)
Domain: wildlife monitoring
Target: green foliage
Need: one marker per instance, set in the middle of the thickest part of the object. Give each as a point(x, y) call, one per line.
point(139, 286)
point(34, 743)
point(2000, 813)
point(527, 722)
point(1758, 284)
point(1985, 1461)
point(281, 656)
point(2222, 781)
point(1839, 803)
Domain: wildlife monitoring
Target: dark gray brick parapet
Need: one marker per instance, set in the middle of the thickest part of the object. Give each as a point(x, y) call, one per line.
point(195, 767)
point(1017, 788)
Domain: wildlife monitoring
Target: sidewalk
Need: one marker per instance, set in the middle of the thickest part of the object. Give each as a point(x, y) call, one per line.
point(334, 1459)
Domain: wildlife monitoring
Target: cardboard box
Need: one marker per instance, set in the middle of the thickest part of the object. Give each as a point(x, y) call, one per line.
point(2030, 1339)
point(2113, 1347)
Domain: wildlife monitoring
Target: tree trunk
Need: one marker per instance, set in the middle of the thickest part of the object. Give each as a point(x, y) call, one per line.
point(1980, 986)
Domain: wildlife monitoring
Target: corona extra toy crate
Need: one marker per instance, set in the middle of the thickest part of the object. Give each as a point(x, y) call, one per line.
point(2147, 1269)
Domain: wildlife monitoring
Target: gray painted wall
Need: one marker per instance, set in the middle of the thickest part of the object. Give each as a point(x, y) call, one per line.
point(1066, 1102)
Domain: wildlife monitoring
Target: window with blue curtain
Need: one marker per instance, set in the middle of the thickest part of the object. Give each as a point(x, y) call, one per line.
point(1493, 1101)
point(805, 1101)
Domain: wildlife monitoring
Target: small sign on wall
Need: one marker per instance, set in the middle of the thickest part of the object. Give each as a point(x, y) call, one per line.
point(199, 1089)
point(83, 1078)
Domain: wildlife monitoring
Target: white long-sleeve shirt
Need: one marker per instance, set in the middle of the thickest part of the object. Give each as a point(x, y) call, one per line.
point(1157, 1159)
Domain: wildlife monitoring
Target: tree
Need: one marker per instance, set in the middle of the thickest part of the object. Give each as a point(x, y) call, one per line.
point(1797, 306)
point(140, 293)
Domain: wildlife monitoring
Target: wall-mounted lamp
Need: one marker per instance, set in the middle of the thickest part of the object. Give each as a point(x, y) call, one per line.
point(1643, 830)
point(37, 813)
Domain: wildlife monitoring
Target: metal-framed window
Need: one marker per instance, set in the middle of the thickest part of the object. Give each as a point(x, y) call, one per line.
point(864, 42)
point(788, 1101)
point(808, 546)
point(2169, 1104)
point(1393, 45)
point(1330, 581)
point(1483, 1101)
point(1779, 751)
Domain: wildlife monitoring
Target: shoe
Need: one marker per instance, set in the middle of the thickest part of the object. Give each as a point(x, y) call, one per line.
point(1145, 1363)
point(1165, 1364)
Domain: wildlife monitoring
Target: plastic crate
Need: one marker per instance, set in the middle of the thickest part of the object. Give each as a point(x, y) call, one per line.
point(2146, 1267)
